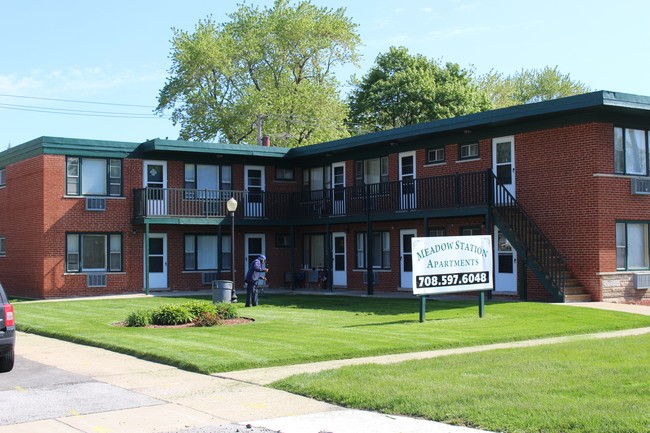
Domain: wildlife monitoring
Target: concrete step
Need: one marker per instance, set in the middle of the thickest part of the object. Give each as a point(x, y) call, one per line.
point(583, 297)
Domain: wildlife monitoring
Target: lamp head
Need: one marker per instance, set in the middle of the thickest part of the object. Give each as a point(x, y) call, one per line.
point(231, 204)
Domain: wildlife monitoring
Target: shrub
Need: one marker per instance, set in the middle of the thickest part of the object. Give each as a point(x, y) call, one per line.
point(171, 315)
point(197, 307)
point(206, 319)
point(139, 318)
point(226, 310)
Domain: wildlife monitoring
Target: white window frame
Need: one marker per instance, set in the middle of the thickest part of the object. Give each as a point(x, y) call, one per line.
point(379, 236)
point(195, 255)
point(439, 155)
point(469, 151)
point(637, 255)
point(631, 151)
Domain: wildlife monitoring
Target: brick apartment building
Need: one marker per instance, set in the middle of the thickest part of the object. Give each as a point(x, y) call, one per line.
point(562, 186)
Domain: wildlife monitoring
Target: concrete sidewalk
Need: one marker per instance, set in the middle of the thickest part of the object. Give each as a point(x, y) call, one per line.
point(181, 401)
point(191, 402)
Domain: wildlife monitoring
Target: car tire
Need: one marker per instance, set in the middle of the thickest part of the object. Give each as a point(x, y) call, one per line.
point(7, 361)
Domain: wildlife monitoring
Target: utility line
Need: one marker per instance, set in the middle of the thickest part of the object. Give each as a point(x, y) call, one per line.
point(75, 101)
point(72, 112)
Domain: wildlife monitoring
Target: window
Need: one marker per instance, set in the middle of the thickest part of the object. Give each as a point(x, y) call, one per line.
point(315, 181)
point(3, 176)
point(283, 240)
point(470, 231)
point(380, 250)
point(93, 176)
point(437, 232)
point(436, 155)
point(314, 251)
point(469, 151)
point(207, 177)
point(371, 171)
point(3, 245)
point(630, 151)
point(201, 252)
point(284, 173)
point(93, 252)
point(632, 246)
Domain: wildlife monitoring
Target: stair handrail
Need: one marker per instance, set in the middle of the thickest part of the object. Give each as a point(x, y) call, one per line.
point(501, 199)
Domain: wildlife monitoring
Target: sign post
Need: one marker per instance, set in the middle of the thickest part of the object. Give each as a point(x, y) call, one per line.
point(452, 264)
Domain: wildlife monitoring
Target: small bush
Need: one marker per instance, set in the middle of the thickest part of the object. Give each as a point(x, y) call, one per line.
point(197, 307)
point(139, 318)
point(206, 319)
point(171, 315)
point(226, 310)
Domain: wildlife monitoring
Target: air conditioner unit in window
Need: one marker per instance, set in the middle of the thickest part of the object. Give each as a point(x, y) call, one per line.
point(209, 277)
point(375, 276)
point(96, 280)
point(640, 185)
point(96, 203)
point(642, 281)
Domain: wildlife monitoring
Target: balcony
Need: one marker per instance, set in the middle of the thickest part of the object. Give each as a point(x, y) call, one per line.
point(428, 194)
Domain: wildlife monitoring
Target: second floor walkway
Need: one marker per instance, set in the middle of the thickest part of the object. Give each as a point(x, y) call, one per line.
point(466, 190)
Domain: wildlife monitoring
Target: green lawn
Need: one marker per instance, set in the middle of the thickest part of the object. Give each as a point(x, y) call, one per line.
point(588, 386)
point(296, 329)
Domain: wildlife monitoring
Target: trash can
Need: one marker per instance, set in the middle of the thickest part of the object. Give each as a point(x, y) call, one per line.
point(221, 291)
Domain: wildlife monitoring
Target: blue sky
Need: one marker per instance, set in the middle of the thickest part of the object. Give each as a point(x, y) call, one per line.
point(116, 53)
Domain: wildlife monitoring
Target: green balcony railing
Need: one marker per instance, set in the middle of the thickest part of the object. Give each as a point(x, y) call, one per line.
point(441, 192)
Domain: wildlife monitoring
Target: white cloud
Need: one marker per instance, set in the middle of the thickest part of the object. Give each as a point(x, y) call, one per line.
point(79, 81)
point(14, 84)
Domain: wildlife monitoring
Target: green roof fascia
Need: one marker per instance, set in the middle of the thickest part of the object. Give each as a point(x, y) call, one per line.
point(159, 145)
point(66, 146)
point(503, 116)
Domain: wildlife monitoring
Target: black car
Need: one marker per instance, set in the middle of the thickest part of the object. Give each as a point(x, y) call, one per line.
point(7, 333)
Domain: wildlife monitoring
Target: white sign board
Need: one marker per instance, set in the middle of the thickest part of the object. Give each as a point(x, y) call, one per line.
point(451, 264)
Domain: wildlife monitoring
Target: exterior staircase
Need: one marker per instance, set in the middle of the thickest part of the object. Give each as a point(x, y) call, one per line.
point(539, 255)
point(573, 290)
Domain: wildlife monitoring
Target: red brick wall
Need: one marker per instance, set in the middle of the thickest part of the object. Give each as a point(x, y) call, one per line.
point(565, 182)
point(21, 204)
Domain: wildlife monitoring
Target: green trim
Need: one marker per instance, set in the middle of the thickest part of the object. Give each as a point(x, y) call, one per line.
point(158, 145)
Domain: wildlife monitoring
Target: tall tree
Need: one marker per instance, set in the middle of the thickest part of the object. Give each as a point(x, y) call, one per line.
point(403, 89)
point(273, 62)
point(530, 85)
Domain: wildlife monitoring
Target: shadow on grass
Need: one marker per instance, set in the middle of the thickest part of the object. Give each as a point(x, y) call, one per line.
point(376, 306)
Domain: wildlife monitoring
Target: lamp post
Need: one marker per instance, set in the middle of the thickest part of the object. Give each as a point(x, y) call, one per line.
point(231, 204)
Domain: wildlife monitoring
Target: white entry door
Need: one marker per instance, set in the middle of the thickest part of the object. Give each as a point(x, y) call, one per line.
point(338, 188)
point(339, 273)
point(155, 179)
point(407, 180)
point(157, 261)
point(503, 162)
point(505, 267)
point(254, 186)
point(406, 257)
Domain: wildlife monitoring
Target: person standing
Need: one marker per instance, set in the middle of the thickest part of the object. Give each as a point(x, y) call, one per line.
point(253, 276)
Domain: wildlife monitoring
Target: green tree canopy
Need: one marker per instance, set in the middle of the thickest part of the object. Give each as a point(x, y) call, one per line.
point(403, 89)
point(275, 62)
point(530, 85)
